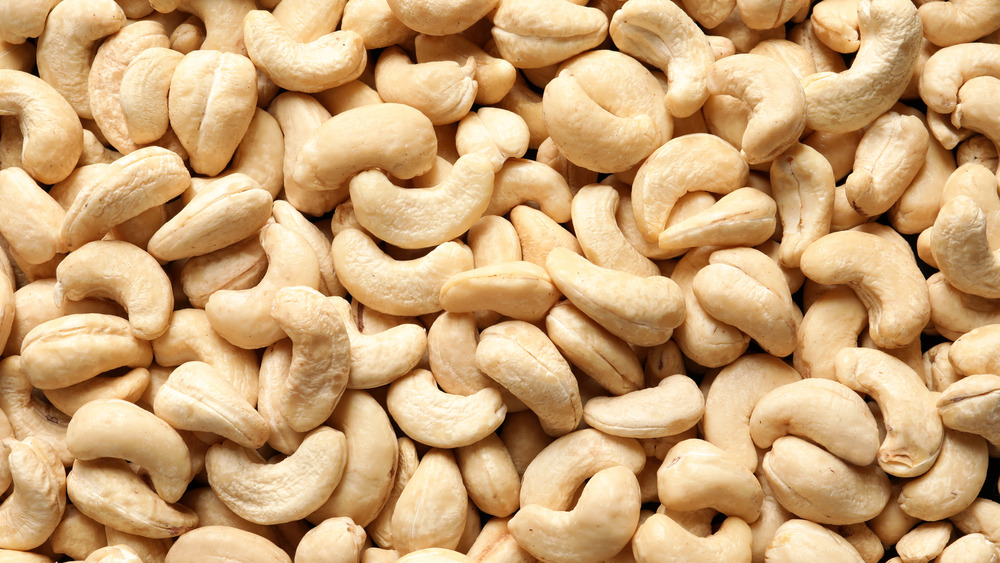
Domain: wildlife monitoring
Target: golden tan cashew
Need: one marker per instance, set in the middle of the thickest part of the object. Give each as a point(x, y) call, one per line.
point(423, 217)
point(605, 112)
point(23, 20)
point(36, 504)
point(640, 414)
point(218, 544)
point(521, 180)
point(599, 526)
point(745, 288)
point(949, 486)
point(825, 412)
point(224, 212)
point(817, 485)
point(119, 429)
point(211, 102)
point(698, 162)
point(371, 460)
point(397, 287)
point(71, 349)
point(27, 414)
point(925, 542)
point(969, 405)
point(914, 429)
point(744, 217)
point(970, 547)
point(190, 338)
point(139, 181)
point(520, 290)
point(432, 508)
point(802, 184)
point(537, 34)
point(798, 540)
point(490, 478)
point(440, 419)
point(275, 493)
point(591, 289)
point(661, 539)
point(51, 130)
point(77, 535)
point(835, 23)
point(121, 272)
point(444, 91)
point(223, 21)
point(495, 76)
point(243, 317)
point(145, 85)
point(30, 219)
point(890, 43)
point(554, 475)
point(696, 474)
point(110, 492)
point(197, 397)
point(335, 540)
point(543, 379)
point(884, 278)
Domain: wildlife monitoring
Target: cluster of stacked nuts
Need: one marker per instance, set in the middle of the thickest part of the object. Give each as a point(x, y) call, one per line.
point(499, 280)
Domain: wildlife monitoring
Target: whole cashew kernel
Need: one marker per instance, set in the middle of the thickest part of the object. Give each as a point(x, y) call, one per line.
point(431, 510)
point(968, 405)
point(217, 544)
point(959, 469)
point(533, 34)
point(640, 413)
point(696, 474)
point(661, 539)
point(144, 89)
point(446, 89)
point(34, 508)
point(337, 540)
point(30, 219)
point(797, 539)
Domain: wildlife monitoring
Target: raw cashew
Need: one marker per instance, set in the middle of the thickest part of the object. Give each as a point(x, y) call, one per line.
point(440, 18)
point(261, 153)
point(490, 476)
point(432, 508)
point(835, 23)
point(439, 419)
point(639, 414)
point(952, 23)
point(605, 112)
point(521, 180)
point(275, 493)
point(660, 539)
point(825, 412)
point(274, 367)
point(696, 474)
point(951, 484)
point(53, 136)
point(444, 91)
point(119, 429)
point(970, 405)
point(121, 272)
point(520, 290)
point(598, 527)
point(22, 20)
point(890, 44)
point(223, 21)
point(802, 183)
point(972, 111)
point(533, 34)
point(497, 133)
point(542, 380)
point(145, 86)
point(495, 76)
point(320, 64)
point(219, 544)
point(884, 278)
point(798, 540)
point(743, 217)
point(30, 219)
point(777, 105)
point(495, 544)
point(335, 540)
point(971, 548)
point(110, 492)
point(378, 359)
point(913, 427)
point(925, 541)
point(27, 414)
point(243, 317)
point(962, 250)
point(238, 266)
point(374, 20)
point(35, 506)
point(602, 241)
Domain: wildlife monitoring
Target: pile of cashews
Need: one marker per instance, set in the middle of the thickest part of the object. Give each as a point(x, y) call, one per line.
point(499, 281)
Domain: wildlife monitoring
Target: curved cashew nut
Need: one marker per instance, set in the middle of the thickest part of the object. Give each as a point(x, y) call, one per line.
point(743, 217)
point(962, 250)
point(954, 313)
point(972, 111)
point(798, 540)
point(654, 307)
point(696, 474)
point(802, 184)
point(238, 266)
point(276, 493)
point(543, 380)
point(926, 541)
point(145, 86)
point(423, 217)
point(495, 132)
point(661, 34)
point(141, 180)
point(274, 367)
point(27, 415)
point(439, 419)
point(243, 317)
point(333, 540)
point(123, 273)
point(197, 397)
point(609, 128)
point(30, 219)
point(119, 429)
point(533, 34)
point(884, 278)
point(698, 162)
point(948, 69)
point(520, 290)
point(490, 477)
point(440, 18)
point(110, 492)
point(432, 509)
point(970, 405)
point(53, 135)
point(67, 44)
point(521, 180)
point(913, 428)
point(970, 547)
point(33, 510)
point(604, 357)
point(890, 44)
point(128, 387)
point(23, 20)
point(598, 527)
point(410, 287)
point(835, 23)
point(640, 414)
point(774, 95)
point(602, 241)
point(952, 23)
point(223, 21)
point(444, 91)
point(326, 62)
point(890, 154)
point(825, 412)
point(949, 485)
point(218, 544)
point(661, 539)
point(819, 486)
point(495, 76)
point(451, 353)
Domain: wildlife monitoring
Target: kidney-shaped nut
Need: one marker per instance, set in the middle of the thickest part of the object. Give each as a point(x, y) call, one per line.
point(533, 34)
point(605, 112)
point(444, 91)
point(799, 540)
point(27, 414)
point(439, 419)
point(661, 539)
point(972, 404)
point(886, 279)
point(913, 428)
point(962, 250)
point(598, 527)
point(696, 474)
point(30, 219)
point(951, 484)
point(423, 217)
point(601, 239)
point(520, 290)
point(490, 477)
point(817, 485)
point(431, 510)
point(52, 133)
point(802, 184)
point(745, 217)
point(281, 492)
point(521, 180)
point(641, 413)
point(326, 62)
point(522, 359)
point(74, 348)
point(145, 86)
point(124, 273)
point(119, 429)
point(36, 504)
point(777, 104)
point(218, 544)
point(128, 387)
